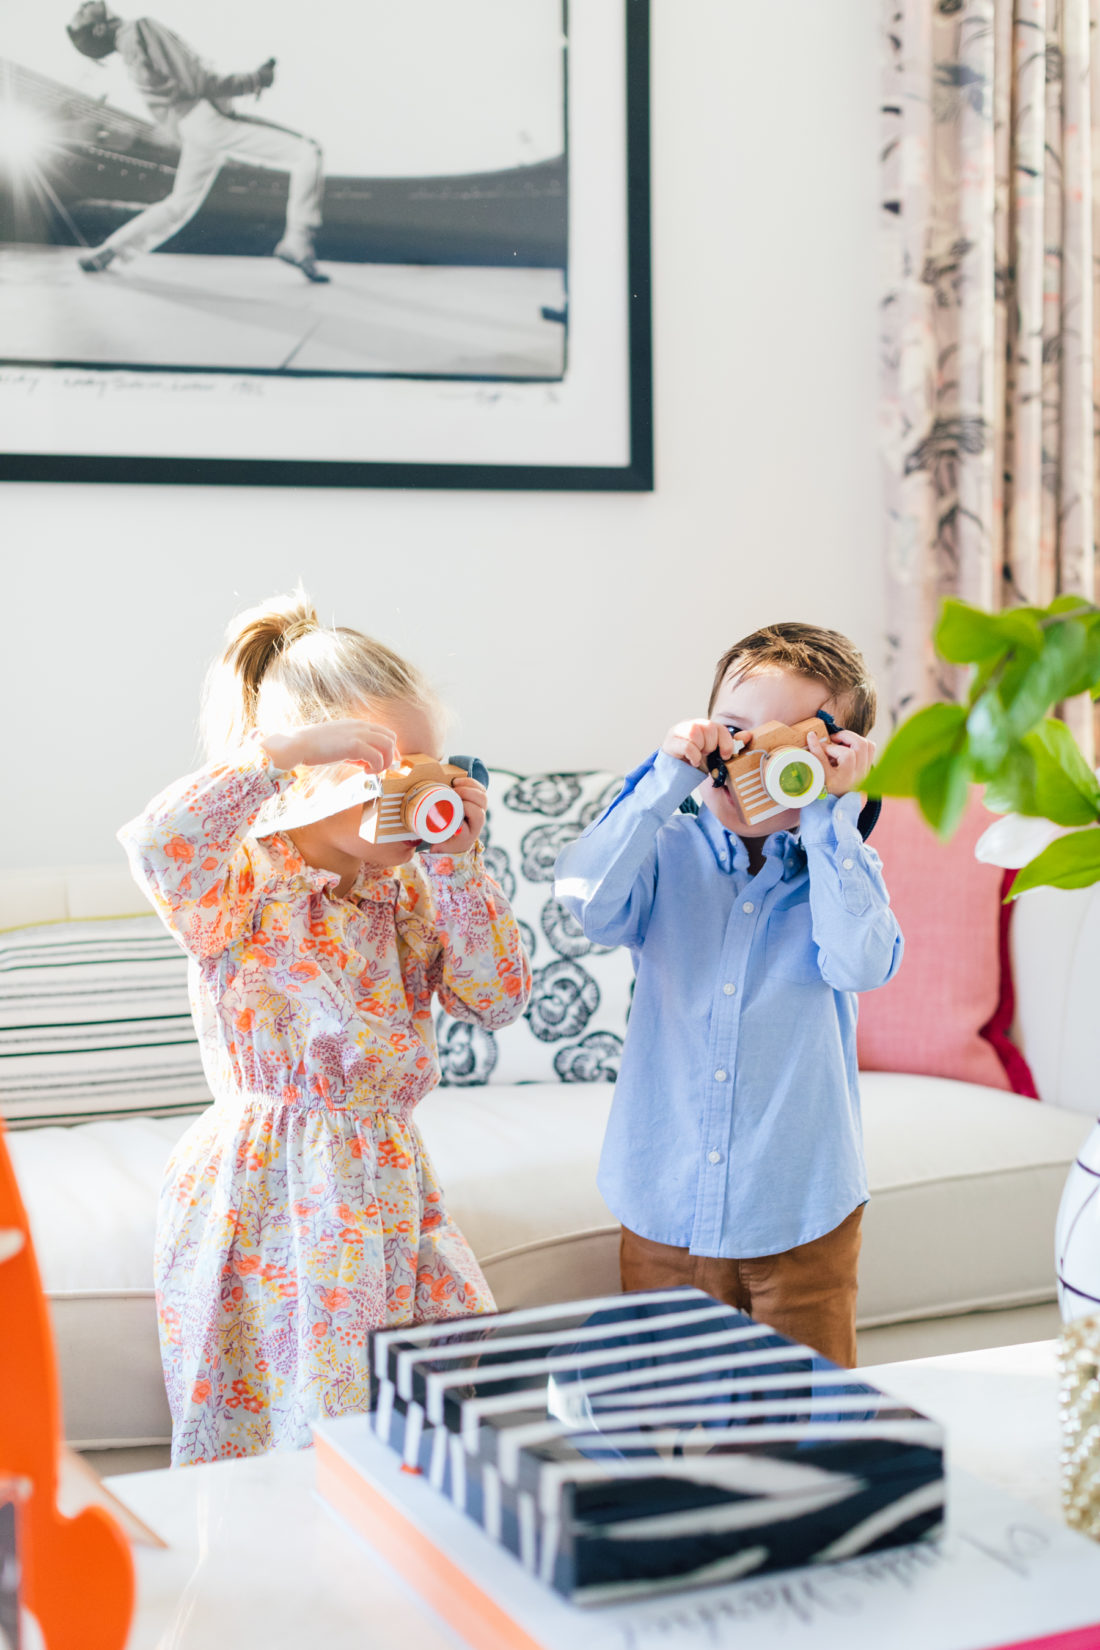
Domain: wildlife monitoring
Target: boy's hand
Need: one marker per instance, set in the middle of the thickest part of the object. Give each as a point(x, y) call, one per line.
point(475, 800)
point(352, 739)
point(693, 742)
point(846, 757)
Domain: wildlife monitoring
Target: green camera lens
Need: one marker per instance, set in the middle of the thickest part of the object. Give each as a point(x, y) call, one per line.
point(796, 779)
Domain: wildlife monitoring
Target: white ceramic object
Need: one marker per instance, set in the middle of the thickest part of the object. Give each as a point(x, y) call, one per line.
point(1014, 841)
point(1077, 1235)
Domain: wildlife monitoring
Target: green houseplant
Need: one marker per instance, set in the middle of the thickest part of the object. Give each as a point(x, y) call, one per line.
point(1023, 662)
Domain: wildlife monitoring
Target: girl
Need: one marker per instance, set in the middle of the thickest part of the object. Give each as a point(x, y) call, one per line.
point(301, 1210)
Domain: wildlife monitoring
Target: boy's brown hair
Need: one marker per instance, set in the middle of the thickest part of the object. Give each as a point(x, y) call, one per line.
point(807, 650)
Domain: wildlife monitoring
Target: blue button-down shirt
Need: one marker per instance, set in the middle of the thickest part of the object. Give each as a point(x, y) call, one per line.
point(735, 1127)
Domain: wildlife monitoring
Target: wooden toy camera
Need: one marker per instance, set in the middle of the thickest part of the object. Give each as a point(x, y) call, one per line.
point(773, 769)
point(419, 801)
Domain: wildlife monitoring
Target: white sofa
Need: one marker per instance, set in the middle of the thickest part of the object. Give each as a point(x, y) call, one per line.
point(958, 1236)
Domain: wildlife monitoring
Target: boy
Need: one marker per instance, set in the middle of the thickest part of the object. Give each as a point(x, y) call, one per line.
point(734, 1157)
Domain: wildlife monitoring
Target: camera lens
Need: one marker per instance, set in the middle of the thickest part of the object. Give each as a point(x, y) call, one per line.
point(434, 812)
point(795, 778)
point(440, 817)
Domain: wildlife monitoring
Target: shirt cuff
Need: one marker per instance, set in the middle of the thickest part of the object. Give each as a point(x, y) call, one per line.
point(832, 824)
point(252, 754)
point(832, 820)
point(664, 783)
point(459, 869)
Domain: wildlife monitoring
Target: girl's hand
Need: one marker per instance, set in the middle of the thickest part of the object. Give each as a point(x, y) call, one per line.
point(846, 757)
point(475, 800)
point(352, 739)
point(693, 742)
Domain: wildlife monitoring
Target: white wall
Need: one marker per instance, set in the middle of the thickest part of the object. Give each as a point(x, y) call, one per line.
point(568, 630)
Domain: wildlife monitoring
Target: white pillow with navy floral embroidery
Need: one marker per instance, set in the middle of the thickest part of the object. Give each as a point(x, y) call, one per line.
point(574, 1026)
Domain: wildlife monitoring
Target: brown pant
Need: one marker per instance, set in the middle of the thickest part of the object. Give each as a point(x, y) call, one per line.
point(807, 1293)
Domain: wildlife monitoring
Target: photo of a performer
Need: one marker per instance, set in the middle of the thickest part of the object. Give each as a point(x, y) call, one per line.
point(192, 105)
point(154, 219)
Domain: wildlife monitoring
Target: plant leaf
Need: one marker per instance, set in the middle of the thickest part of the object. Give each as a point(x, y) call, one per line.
point(1011, 789)
point(1045, 775)
point(1069, 862)
point(966, 634)
point(936, 731)
point(989, 738)
point(1069, 664)
point(943, 788)
point(1073, 604)
point(1066, 789)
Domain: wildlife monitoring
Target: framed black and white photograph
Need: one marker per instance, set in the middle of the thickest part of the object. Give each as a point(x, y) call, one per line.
point(350, 244)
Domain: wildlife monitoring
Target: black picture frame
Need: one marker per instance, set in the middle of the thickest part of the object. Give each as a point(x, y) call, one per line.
point(636, 475)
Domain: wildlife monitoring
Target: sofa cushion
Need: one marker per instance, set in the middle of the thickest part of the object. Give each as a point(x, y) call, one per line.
point(1056, 958)
point(965, 1185)
point(95, 1021)
point(91, 1195)
point(573, 1029)
point(948, 1010)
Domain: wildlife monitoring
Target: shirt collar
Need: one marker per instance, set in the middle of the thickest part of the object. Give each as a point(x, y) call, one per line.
point(731, 853)
point(288, 865)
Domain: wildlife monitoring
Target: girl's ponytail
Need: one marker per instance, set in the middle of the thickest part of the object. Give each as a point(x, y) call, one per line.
point(280, 668)
point(254, 641)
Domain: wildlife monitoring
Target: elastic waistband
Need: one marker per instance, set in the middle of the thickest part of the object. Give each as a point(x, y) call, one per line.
point(294, 1100)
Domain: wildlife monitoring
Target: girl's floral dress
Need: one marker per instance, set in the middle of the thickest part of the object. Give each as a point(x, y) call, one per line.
point(301, 1210)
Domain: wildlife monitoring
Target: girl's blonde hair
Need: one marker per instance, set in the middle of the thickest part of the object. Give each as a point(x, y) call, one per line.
point(281, 668)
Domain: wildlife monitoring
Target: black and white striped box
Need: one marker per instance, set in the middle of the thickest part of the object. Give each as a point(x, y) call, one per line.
point(639, 1443)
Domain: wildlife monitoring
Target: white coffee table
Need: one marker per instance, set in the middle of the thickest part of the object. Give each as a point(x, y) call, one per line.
point(256, 1562)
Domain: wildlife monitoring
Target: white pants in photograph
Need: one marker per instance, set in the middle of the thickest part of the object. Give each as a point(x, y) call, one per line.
point(207, 140)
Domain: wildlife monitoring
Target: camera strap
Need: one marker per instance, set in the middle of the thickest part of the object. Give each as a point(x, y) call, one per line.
point(868, 814)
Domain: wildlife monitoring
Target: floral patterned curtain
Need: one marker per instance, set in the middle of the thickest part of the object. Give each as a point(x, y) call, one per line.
point(991, 140)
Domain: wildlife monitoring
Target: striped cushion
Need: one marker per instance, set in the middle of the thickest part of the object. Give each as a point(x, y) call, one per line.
point(94, 1022)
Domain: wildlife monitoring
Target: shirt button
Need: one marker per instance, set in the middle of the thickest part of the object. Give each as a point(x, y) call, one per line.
point(729, 988)
point(748, 908)
point(714, 1157)
point(720, 1075)
point(848, 864)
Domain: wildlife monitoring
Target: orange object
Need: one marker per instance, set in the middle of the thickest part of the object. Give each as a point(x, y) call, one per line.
point(78, 1575)
point(441, 1583)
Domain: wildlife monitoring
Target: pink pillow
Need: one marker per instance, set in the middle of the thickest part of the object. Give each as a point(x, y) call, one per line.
point(948, 1010)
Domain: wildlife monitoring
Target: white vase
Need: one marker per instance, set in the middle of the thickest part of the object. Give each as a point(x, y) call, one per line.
point(1077, 1235)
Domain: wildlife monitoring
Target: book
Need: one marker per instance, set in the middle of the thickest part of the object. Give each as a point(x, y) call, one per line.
point(632, 1445)
point(80, 1486)
point(1001, 1575)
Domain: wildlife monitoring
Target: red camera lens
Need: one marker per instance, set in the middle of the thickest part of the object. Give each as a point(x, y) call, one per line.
point(440, 816)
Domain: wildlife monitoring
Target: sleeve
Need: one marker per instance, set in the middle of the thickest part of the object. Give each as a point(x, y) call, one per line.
point(607, 878)
point(231, 85)
point(163, 67)
point(479, 969)
point(148, 65)
point(188, 849)
point(857, 935)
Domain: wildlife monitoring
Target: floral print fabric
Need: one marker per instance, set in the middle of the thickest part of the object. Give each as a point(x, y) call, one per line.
point(301, 1210)
point(572, 1029)
point(991, 116)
